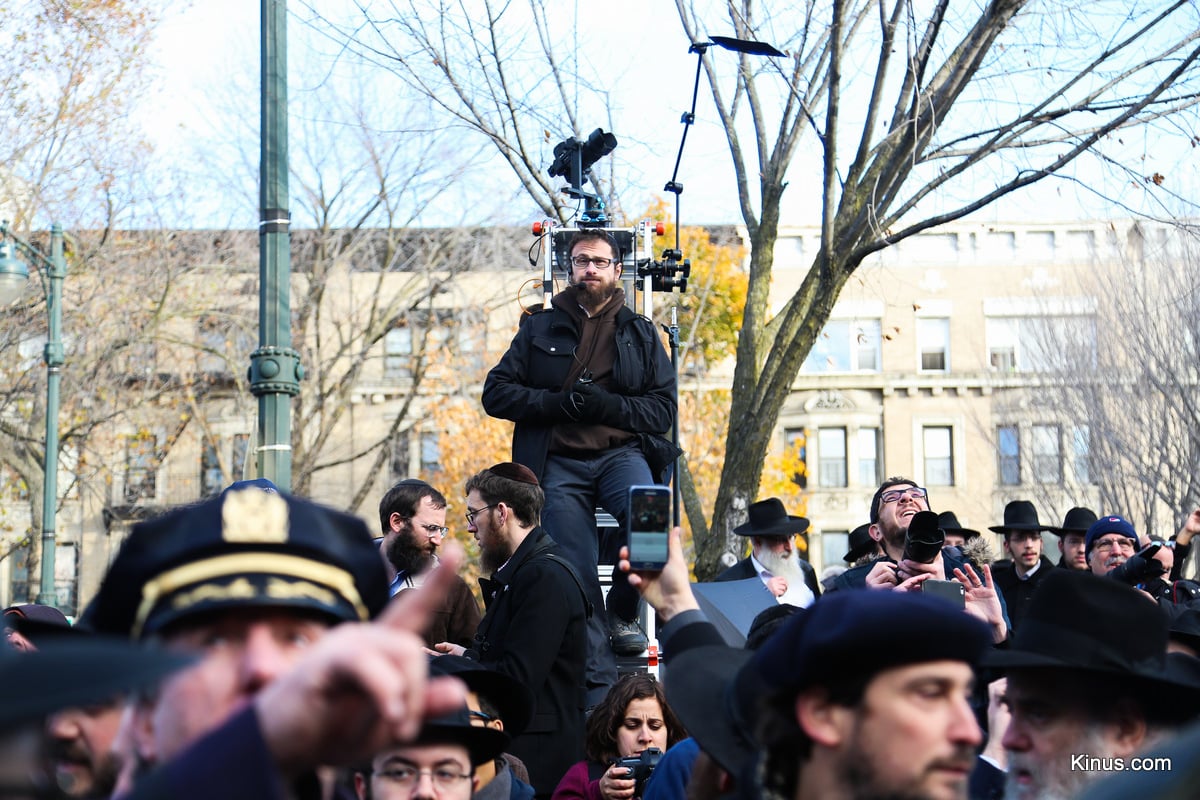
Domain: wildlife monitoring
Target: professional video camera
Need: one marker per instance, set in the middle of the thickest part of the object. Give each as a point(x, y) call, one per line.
point(573, 160)
point(640, 767)
point(924, 539)
point(1139, 567)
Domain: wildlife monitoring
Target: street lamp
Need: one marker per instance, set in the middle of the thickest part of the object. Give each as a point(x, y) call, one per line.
point(14, 276)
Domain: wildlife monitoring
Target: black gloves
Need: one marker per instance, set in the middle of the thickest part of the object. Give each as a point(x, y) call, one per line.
point(595, 404)
point(586, 402)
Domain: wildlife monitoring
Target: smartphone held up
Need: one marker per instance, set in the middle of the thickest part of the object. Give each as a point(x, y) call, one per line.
point(649, 526)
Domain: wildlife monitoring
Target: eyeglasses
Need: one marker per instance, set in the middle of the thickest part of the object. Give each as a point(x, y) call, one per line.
point(472, 512)
point(407, 777)
point(583, 261)
point(912, 493)
point(479, 715)
point(1109, 544)
point(435, 531)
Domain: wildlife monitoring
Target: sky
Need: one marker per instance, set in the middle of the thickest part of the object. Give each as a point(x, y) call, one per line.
point(208, 56)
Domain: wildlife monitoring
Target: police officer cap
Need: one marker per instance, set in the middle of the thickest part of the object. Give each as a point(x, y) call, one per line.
point(243, 548)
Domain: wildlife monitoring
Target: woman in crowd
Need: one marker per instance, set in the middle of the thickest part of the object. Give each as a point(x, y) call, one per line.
point(633, 717)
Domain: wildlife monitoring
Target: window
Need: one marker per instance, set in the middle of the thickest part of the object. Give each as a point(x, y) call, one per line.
point(933, 340)
point(1041, 344)
point(834, 544)
point(224, 345)
point(868, 457)
point(66, 577)
point(1081, 441)
point(237, 460)
point(1008, 452)
point(831, 447)
point(140, 467)
point(212, 479)
point(18, 574)
point(420, 332)
point(1046, 461)
point(939, 455)
point(431, 453)
point(791, 438)
point(397, 354)
point(399, 462)
point(846, 346)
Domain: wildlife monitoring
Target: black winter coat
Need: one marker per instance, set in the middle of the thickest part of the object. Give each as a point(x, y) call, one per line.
point(535, 630)
point(537, 365)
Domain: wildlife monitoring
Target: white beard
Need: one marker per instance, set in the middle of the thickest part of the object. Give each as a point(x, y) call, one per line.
point(786, 566)
point(1056, 780)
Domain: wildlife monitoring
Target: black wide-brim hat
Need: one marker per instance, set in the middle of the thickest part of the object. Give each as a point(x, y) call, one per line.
point(1077, 520)
point(512, 699)
point(1087, 624)
point(714, 690)
point(483, 744)
point(1019, 515)
point(860, 542)
point(74, 671)
point(245, 548)
point(948, 522)
point(769, 518)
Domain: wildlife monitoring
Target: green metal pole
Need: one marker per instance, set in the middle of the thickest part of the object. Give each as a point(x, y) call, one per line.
point(54, 361)
point(275, 369)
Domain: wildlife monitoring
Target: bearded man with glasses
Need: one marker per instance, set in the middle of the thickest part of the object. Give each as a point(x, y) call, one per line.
point(895, 503)
point(591, 390)
point(412, 519)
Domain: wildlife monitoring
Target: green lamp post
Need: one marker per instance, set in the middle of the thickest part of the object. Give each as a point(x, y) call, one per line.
point(14, 277)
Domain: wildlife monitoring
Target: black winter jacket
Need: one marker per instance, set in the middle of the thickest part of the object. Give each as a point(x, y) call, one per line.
point(537, 364)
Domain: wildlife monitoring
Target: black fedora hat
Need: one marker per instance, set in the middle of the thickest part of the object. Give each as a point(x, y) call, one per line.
point(1019, 515)
point(1184, 623)
point(511, 698)
point(482, 743)
point(1087, 624)
point(861, 543)
point(769, 518)
point(714, 691)
point(949, 524)
point(1077, 520)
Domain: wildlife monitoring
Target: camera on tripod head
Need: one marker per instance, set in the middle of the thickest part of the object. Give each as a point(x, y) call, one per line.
point(573, 160)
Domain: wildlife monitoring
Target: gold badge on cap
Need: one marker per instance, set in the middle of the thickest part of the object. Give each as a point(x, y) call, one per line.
point(254, 516)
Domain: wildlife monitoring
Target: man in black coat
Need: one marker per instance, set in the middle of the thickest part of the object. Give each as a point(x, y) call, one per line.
point(534, 629)
point(1027, 566)
point(591, 391)
point(773, 556)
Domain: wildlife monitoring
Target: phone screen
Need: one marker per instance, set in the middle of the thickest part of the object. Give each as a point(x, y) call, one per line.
point(649, 524)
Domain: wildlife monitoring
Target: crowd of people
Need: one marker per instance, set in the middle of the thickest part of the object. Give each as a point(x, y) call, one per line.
point(259, 645)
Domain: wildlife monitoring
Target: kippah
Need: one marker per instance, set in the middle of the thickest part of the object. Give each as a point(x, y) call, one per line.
point(411, 482)
point(514, 472)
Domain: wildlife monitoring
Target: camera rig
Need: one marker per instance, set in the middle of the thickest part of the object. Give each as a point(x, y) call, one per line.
point(573, 160)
